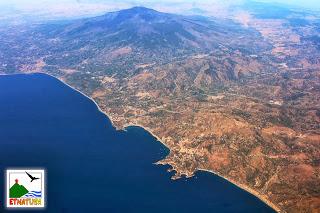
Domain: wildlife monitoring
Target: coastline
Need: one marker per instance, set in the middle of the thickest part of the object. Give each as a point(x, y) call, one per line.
point(241, 186)
point(247, 189)
point(261, 197)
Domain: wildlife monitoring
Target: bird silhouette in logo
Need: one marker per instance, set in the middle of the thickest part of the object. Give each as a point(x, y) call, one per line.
point(31, 177)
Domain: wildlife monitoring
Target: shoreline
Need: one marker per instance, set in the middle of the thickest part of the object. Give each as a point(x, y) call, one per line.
point(261, 197)
point(239, 185)
point(247, 189)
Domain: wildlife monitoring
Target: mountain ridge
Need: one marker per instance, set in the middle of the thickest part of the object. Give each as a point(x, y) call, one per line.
point(126, 40)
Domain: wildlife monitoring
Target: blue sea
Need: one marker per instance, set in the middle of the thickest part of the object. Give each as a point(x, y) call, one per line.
point(90, 166)
point(33, 194)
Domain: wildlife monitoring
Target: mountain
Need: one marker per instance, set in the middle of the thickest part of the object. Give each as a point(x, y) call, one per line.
point(148, 29)
point(238, 96)
point(17, 191)
point(138, 36)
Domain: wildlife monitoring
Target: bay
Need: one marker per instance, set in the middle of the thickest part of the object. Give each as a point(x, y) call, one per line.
point(91, 167)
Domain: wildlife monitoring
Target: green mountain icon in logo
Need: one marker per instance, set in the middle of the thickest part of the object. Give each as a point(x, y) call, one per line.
point(17, 191)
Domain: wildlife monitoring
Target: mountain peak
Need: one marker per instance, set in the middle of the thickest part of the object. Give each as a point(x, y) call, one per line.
point(140, 9)
point(142, 12)
point(133, 16)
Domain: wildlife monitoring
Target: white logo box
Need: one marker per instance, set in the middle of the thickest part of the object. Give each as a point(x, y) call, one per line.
point(34, 180)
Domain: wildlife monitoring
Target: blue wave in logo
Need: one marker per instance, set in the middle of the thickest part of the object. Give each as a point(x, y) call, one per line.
point(32, 194)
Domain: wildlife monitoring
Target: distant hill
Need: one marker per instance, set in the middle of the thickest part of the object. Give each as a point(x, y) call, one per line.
point(142, 28)
point(127, 38)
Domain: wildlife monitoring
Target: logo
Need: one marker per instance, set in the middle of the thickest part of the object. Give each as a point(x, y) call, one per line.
point(25, 188)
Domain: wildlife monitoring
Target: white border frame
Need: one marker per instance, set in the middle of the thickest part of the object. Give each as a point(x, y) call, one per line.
point(44, 190)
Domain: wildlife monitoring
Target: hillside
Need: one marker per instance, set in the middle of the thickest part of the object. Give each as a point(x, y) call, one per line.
point(133, 38)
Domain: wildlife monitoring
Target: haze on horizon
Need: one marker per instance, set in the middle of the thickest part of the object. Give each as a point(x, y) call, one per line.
point(79, 8)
